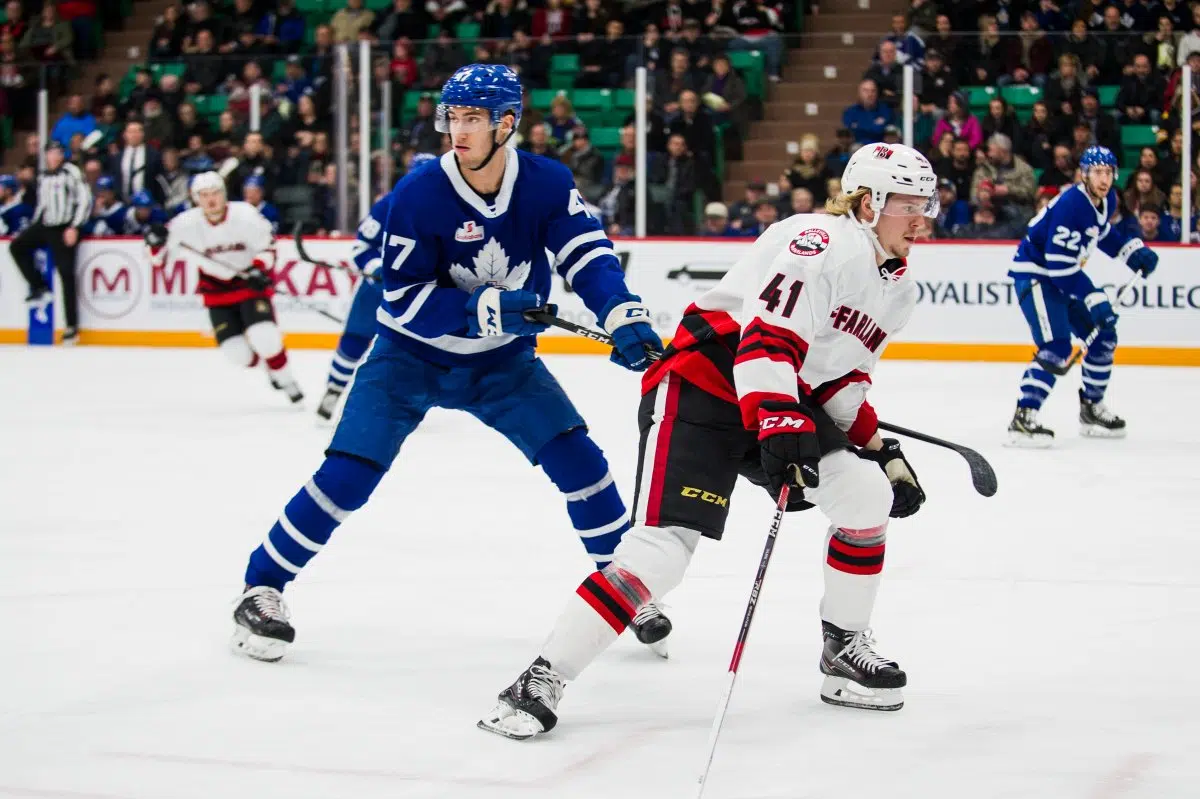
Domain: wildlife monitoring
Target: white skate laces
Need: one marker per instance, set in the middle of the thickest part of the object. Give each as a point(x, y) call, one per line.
point(859, 651)
point(648, 611)
point(545, 685)
point(270, 603)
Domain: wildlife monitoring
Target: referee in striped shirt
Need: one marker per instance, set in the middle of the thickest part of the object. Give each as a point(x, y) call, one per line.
point(64, 203)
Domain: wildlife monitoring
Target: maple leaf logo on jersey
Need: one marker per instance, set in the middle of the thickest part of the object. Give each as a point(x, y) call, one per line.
point(491, 269)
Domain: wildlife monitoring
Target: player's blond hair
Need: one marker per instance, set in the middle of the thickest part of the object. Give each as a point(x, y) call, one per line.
point(846, 204)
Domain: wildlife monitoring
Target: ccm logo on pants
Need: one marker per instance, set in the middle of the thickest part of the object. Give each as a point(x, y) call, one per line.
point(704, 496)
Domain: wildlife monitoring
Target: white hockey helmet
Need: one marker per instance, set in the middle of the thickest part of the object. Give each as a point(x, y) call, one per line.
point(891, 169)
point(206, 181)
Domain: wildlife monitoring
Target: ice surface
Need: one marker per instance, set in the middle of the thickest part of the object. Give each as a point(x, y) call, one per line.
point(1049, 633)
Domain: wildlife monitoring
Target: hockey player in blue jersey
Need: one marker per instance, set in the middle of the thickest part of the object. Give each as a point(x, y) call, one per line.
point(253, 189)
point(108, 213)
point(1059, 300)
point(15, 213)
point(143, 214)
point(464, 262)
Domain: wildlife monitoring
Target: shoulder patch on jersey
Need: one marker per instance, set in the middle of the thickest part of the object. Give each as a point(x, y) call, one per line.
point(813, 241)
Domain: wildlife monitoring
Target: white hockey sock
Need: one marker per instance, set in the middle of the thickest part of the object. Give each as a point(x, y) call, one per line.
point(853, 568)
point(578, 638)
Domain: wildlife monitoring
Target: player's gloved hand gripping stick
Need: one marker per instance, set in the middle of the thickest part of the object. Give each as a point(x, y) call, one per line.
point(1102, 323)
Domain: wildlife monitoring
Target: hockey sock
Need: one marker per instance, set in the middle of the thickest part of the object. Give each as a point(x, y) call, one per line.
point(1097, 366)
point(852, 569)
point(349, 352)
point(278, 361)
point(578, 468)
point(340, 486)
point(1036, 385)
point(602, 607)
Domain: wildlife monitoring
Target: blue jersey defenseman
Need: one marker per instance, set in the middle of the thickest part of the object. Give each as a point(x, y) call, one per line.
point(1059, 299)
point(464, 260)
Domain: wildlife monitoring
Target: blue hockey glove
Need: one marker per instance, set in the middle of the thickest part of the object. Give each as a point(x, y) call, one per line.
point(1144, 260)
point(628, 322)
point(493, 311)
point(1101, 310)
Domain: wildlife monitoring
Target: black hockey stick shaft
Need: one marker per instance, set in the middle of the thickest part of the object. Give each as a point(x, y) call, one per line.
point(743, 634)
point(1059, 371)
point(983, 477)
point(298, 239)
point(547, 318)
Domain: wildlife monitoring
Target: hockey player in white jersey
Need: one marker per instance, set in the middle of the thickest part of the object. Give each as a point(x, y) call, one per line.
point(234, 248)
point(767, 377)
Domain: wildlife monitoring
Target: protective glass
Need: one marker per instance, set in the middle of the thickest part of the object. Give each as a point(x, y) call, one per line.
point(908, 205)
point(456, 119)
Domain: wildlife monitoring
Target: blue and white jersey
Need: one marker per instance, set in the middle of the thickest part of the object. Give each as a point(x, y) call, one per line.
point(367, 252)
point(1062, 237)
point(444, 240)
point(130, 225)
point(109, 221)
point(270, 213)
point(14, 217)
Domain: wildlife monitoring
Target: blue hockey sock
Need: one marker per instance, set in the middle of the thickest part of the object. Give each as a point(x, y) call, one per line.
point(1097, 366)
point(1036, 385)
point(340, 486)
point(349, 352)
point(577, 466)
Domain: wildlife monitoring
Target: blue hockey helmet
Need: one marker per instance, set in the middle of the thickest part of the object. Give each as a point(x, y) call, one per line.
point(1098, 156)
point(421, 158)
point(105, 183)
point(254, 182)
point(494, 87)
point(142, 200)
point(9, 182)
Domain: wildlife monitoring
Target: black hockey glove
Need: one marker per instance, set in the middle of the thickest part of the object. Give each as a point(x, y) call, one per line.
point(156, 236)
point(788, 446)
point(257, 278)
point(907, 494)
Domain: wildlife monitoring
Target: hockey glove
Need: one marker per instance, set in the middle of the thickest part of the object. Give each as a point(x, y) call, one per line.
point(907, 494)
point(493, 311)
point(257, 278)
point(1103, 315)
point(628, 322)
point(156, 236)
point(788, 446)
point(1144, 260)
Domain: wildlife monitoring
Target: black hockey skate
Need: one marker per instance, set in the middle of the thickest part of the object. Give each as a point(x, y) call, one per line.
point(527, 707)
point(290, 388)
point(652, 628)
point(328, 404)
point(1025, 431)
point(855, 675)
point(1097, 421)
point(261, 628)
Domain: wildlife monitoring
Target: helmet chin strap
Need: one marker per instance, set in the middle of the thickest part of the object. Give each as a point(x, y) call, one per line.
point(869, 229)
point(495, 149)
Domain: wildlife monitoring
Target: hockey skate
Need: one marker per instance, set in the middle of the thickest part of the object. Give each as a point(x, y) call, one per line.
point(527, 707)
point(652, 628)
point(288, 387)
point(1025, 431)
point(261, 628)
point(855, 675)
point(328, 405)
point(1097, 421)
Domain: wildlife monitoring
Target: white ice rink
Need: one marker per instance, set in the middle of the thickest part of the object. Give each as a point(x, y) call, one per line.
point(1049, 633)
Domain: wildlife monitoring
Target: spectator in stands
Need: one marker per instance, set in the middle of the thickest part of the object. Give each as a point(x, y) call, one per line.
point(680, 186)
point(800, 201)
point(808, 170)
point(282, 30)
point(700, 48)
point(1177, 13)
point(716, 222)
point(986, 58)
point(172, 182)
point(1086, 49)
point(1139, 100)
point(1191, 40)
point(953, 213)
point(295, 83)
point(1064, 89)
point(166, 41)
point(922, 18)
point(227, 137)
point(552, 20)
point(170, 93)
point(401, 21)
point(909, 47)
point(1004, 181)
point(937, 83)
point(403, 67)
point(562, 119)
point(589, 22)
point(103, 93)
point(1150, 225)
point(696, 126)
point(766, 213)
point(447, 13)
point(1062, 169)
point(77, 119)
point(672, 20)
point(758, 27)
point(530, 59)
point(1028, 57)
point(239, 87)
point(136, 165)
point(206, 70)
point(14, 23)
point(1038, 137)
point(189, 124)
point(1050, 17)
point(422, 135)
point(618, 201)
point(724, 92)
point(200, 18)
point(240, 32)
point(1163, 44)
point(49, 41)
point(109, 127)
point(669, 84)
point(1103, 127)
point(350, 21)
point(538, 143)
point(887, 74)
point(986, 225)
point(741, 213)
point(1143, 193)
point(15, 84)
point(585, 163)
point(1001, 119)
point(960, 121)
point(950, 45)
point(602, 61)
point(1172, 217)
point(254, 161)
point(1116, 48)
point(158, 125)
point(1081, 139)
point(1148, 160)
point(650, 54)
point(839, 155)
point(440, 61)
point(868, 117)
point(501, 20)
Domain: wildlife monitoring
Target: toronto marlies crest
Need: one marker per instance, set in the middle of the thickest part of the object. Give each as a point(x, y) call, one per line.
point(490, 269)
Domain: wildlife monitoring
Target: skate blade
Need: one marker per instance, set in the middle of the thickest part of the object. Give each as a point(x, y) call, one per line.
point(660, 648)
point(1098, 431)
point(1026, 441)
point(257, 647)
point(510, 723)
point(845, 693)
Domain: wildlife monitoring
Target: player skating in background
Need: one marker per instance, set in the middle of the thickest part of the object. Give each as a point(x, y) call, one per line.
point(1059, 299)
point(767, 377)
point(234, 248)
point(464, 260)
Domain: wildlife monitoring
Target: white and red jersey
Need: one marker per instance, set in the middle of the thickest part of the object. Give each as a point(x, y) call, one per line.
point(806, 314)
point(240, 240)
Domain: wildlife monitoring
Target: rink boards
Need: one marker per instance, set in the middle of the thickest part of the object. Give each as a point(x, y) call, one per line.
point(967, 308)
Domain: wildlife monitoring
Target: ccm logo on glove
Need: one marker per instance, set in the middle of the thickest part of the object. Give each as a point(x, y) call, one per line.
point(794, 424)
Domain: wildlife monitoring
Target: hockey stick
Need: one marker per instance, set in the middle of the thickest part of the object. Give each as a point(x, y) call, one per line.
point(743, 634)
point(983, 477)
point(241, 273)
point(546, 318)
point(1059, 371)
point(298, 238)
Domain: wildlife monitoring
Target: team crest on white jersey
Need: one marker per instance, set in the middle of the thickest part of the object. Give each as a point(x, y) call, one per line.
point(490, 269)
point(813, 241)
point(469, 232)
